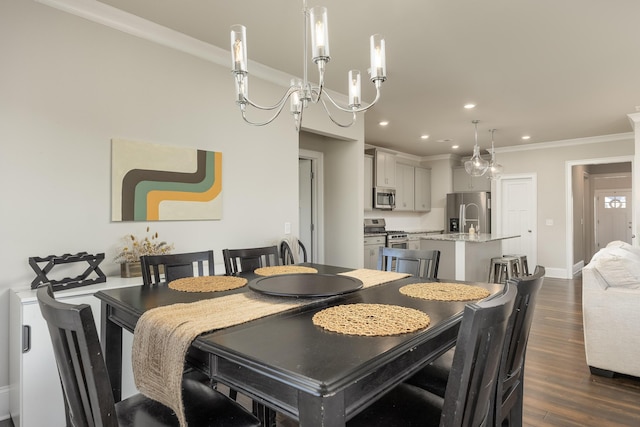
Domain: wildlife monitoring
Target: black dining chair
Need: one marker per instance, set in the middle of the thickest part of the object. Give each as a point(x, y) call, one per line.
point(470, 394)
point(87, 390)
point(175, 266)
point(510, 386)
point(247, 260)
point(287, 253)
point(422, 264)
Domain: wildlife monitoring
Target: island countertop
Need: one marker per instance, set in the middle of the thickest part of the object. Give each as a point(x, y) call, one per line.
point(466, 237)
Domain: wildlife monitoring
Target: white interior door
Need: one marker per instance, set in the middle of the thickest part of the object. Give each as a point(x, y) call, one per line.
point(305, 198)
point(613, 216)
point(517, 216)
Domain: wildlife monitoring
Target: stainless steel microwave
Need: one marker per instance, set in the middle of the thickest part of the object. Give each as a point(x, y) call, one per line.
point(384, 198)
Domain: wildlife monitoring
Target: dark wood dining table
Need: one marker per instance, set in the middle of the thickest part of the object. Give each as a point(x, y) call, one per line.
point(287, 363)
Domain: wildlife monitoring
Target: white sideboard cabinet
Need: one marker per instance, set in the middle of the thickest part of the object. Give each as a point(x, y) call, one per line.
point(35, 393)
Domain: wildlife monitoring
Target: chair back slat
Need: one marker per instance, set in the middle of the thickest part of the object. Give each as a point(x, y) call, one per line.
point(509, 389)
point(247, 260)
point(471, 387)
point(286, 253)
point(175, 266)
point(83, 373)
point(423, 264)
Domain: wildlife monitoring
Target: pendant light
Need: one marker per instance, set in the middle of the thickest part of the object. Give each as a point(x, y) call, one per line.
point(476, 165)
point(495, 169)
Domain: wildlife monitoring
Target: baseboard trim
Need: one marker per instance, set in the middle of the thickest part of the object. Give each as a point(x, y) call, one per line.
point(557, 273)
point(4, 403)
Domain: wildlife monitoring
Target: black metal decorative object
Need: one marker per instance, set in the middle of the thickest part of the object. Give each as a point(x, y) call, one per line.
point(68, 282)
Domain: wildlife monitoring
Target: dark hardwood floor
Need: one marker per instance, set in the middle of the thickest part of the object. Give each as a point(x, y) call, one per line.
point(559, 390)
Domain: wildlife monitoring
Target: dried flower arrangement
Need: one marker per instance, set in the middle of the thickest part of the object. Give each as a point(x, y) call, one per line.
point(134, 247)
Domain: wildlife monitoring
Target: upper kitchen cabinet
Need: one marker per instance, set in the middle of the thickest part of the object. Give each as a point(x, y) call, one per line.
point(462, 181)
point(405, 187)
point(413, 188)
point(422, 190)
point(368, 182)
point(384, 170)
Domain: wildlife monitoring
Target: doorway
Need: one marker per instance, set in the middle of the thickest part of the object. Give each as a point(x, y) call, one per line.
point(310, 196)
point(598, 174)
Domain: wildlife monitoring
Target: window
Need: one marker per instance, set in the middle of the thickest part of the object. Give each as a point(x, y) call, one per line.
point(615, 202)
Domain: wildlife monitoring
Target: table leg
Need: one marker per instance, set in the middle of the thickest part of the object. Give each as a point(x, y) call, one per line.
point(325, 411)
point(112, 350)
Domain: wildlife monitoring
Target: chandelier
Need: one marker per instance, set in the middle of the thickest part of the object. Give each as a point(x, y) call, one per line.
point(302, 92)
point(476, 165)
point(495, 169)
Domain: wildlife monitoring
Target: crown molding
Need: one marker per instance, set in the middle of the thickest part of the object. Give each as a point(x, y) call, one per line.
point(567, 142)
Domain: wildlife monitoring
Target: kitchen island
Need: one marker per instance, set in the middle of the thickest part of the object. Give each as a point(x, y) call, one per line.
point(465, 256)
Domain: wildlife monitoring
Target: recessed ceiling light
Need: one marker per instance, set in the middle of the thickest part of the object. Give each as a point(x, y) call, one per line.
point(469, 106)
point(424, 136)
point(455, 147)
point(383, 123)
point(525, 137)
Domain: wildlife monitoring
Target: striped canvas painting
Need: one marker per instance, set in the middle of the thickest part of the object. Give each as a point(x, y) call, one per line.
point(154, 182)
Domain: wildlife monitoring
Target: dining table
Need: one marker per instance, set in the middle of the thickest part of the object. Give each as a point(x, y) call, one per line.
point(287, 363)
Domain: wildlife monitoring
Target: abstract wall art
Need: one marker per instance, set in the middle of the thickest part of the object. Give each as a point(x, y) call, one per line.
point(154, 182)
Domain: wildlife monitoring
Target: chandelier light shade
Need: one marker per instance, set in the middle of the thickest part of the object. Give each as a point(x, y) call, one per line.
point(495, 169)
point(301, 92)
point(476, 165)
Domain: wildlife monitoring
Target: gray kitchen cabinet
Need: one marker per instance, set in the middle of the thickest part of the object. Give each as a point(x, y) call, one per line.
point(405, 187)
point(413, 188)
point(462, 181)
point(414, 240)
point(384, 170)
point(371, 248)
point(422, 202)
point(35, 394)
point(368, 182)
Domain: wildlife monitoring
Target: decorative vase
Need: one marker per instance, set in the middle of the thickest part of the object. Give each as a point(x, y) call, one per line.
point(131, 269)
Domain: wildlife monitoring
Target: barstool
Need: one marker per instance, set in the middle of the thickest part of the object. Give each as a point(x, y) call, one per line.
point(522, 260)
point(503, 268)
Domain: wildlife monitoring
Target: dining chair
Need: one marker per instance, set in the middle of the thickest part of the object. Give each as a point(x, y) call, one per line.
point(470, 394)
point(422, 264)
point(175, 266)
point(287, 253)
point(246, 260)
point(510, 386)
point(87, 390)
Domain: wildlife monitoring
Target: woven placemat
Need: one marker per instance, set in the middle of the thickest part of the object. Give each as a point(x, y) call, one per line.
point(207, 283)
point(283, 269)
point(445, 291)
point(371, 319)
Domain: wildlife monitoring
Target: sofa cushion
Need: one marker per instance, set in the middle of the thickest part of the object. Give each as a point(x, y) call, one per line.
point(619, 266)
point(626, 246)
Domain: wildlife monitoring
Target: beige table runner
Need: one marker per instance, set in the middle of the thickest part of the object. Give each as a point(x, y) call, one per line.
point(163, 334)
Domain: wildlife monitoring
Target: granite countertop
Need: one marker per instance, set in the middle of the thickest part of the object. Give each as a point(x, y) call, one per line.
point(465, 237)
point(425, 231)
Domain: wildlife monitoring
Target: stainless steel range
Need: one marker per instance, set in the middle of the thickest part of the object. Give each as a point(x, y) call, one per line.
point(376, 227)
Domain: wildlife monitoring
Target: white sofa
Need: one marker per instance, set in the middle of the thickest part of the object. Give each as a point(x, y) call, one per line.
point(611, 310)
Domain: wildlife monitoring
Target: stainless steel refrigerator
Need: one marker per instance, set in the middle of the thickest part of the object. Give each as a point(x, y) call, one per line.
point(467, 209)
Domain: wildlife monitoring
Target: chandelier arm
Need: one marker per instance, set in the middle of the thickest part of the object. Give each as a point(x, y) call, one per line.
point(279, 105)
point(342, 125)
point(355, 110)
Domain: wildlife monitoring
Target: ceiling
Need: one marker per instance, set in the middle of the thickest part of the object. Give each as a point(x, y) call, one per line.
point(554, 70)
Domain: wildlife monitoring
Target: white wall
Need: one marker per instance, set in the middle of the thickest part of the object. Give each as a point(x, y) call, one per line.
point(68, 86)
point(549, 164)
